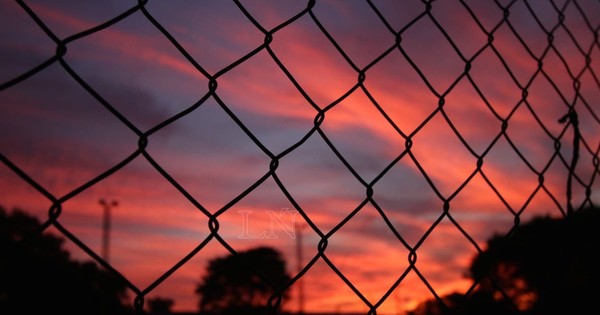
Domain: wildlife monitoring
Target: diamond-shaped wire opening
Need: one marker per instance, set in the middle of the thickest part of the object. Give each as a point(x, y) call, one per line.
point(374, 278)
point(204, 158)
point(56, 155)
point(356, 29)
point(501, 163)
point(313, 169)
point(526, 34)
point(413, 295)
point(146, 86)
point(398, 15)
point(530, 141)
point(400, 92)
point(355, 124)
point(200, 23)
point(442, 156)
point(314, 63)
point(26, 45)
point(270, 106)
point(326, 292)
point(273, 15)
point(471, 117)
point(480, 213)
point(262, 217)
point(566, 44)
point(408, 200)
point(443, 256)
point(547, 104)
point(494, 83)
point(428, 60)
point(460, 26)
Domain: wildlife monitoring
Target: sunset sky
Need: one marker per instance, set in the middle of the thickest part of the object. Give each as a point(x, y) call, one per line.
point(409, 111)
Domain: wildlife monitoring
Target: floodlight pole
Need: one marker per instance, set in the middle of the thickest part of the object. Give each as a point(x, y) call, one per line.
point(299, 259)
point(106, 226)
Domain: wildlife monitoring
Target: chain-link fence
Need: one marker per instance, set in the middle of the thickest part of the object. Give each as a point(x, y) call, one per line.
point(384, 125)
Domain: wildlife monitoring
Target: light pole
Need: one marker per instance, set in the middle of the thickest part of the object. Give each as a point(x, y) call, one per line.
point(106, 226)
point(299, 259)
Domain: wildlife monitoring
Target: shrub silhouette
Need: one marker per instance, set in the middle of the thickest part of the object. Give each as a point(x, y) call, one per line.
point(38, 276)
point(160, 305)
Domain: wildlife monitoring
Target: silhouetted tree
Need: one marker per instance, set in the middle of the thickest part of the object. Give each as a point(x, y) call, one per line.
point(478, 303)
point(38, 276)
point(160, 305)
point(546, 266)
point(242, 283)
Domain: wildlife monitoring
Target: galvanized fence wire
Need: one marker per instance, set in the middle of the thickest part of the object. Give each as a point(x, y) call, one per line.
point(575, 107)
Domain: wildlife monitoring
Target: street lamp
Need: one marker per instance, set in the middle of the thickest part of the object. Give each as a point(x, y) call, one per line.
point(299, 263)
point(106, 226)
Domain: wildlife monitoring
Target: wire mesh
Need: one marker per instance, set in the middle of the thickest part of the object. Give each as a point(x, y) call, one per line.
point(560, 58)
